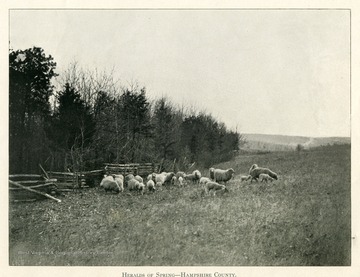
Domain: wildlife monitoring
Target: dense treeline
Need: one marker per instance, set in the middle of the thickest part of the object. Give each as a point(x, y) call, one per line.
point(90, 120)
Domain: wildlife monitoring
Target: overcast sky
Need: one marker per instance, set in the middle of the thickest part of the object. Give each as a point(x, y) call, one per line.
point(263, 71)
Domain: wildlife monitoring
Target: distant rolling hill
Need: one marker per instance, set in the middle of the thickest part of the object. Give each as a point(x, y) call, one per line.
point(287, 143)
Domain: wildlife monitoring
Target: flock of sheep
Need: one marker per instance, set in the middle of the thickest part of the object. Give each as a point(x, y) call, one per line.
point(117, 182)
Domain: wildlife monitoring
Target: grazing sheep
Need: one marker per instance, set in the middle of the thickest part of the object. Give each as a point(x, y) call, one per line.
point(213, 186)
point(252, 167)
point(150, 177)
point(197, 174)
point(139, 178)
point(168, 178)
point(265, 177)
point(180, 181)
point(159, 183)
point(119, 179)
point(191, 177)
point(109, 184)
point(128, 178)
point(223, 175)
point(118, 176)
point(173, 180)
point(180, 174)
point(132, 184)
point(140, 188)
point(255, 173)
point(154, 175)
point(136, 185)
point(211, 172)
point(204, 180)
point(150, 185)
point(245, 178)
point(159, 179)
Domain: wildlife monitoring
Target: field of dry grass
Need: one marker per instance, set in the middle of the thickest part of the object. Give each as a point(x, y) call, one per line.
point(303, 219)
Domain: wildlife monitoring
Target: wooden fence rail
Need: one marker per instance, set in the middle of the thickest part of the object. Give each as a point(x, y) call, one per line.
point(134, 168)
point(25, 190)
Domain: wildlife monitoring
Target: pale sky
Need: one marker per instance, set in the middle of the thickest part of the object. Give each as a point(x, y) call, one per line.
point(264, 71)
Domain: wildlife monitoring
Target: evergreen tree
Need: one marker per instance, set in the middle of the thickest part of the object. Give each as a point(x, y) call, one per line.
point(30, 87)
point(73, 127)
point(135, 113)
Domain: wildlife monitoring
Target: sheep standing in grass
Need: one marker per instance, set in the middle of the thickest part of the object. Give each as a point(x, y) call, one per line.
point(255, 173)
point(204, 180)
point(265, 177)
point(180, 181)
point(120, 176)
point(128, 178)
point(119, 179)
point(180, 174)
point(245, 178)
point(223, 175)
point(253, 167)
point(191, 178)
point(140, 188)
point(150, 177)
point(177, 180)
point(215, 187)
point(158, 184)
point(109, 184)
point(154, 176)
point(136, 185)
point(139, 178)
point(197, 174)
point(159, 179)
point(150, 185)
point(132, 184)
point(211, 173)
point(168, 178)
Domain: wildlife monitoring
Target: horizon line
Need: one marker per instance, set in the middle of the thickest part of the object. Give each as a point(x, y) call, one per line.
point(295, 135)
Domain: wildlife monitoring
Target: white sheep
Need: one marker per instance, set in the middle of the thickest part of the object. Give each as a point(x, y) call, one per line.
point(191, 177)
point(109, 184)
point(213, 186)
point(177, 176)
point(252, 167)
point(139, 178)
point(265, 177)
point(245, 178)
point(128, 178)
point(119, 179)
point(159, 183)
point(150, 177)
point(118, 176)
point(197, 174)
point(180, 174)
point(204, 180)
point(180, 181)
point(136, 185)
point(168, 178)
point(211, 173)
point(173, 180)
point(150, 185)
point(140, 188)
point(153, 176)
point(159, 179)
point(256, 171)
point(223, 175)
point(132, 184)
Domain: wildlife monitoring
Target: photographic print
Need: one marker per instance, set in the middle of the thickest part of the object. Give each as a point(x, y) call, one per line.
point(179, 137)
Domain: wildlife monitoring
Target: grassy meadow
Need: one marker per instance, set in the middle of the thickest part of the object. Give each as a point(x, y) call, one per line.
point(302, 219)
